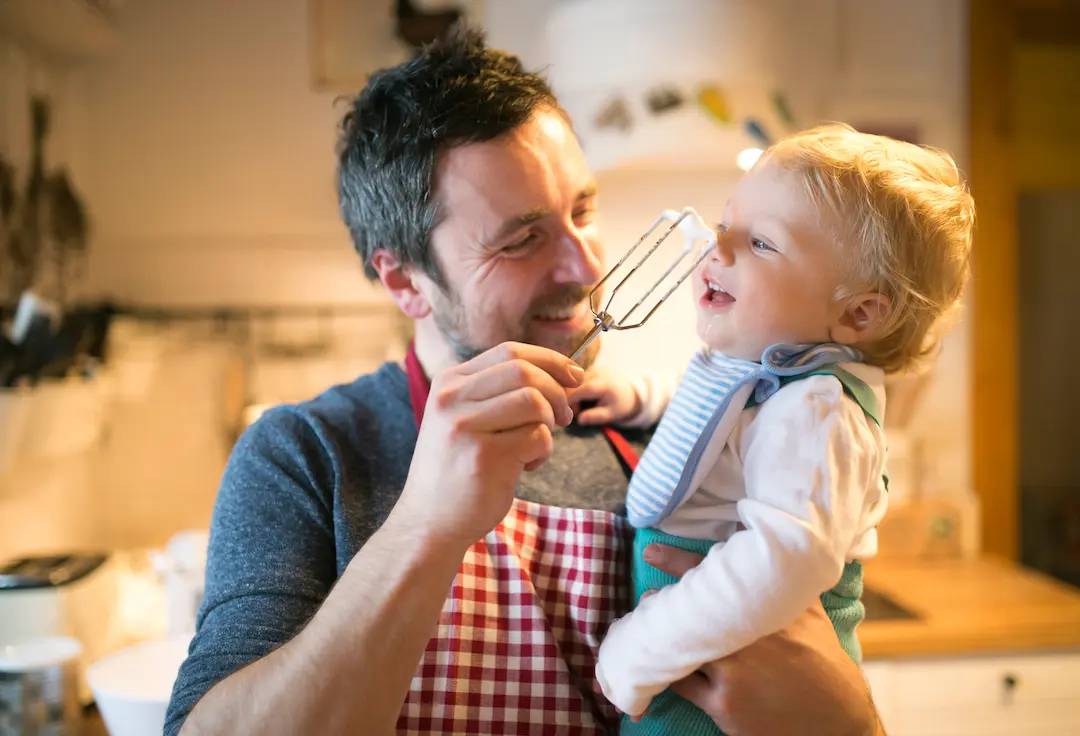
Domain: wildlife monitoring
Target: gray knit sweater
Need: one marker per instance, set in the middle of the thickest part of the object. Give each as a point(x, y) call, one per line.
point(305, 487)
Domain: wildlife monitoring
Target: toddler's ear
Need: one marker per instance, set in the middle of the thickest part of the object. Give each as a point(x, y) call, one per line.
point(860, 318)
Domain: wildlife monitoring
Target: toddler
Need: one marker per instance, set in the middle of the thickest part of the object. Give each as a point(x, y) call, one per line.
point(840, 257)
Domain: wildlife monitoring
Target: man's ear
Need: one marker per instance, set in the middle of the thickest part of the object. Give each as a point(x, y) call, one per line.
point(861, 319)
point(400, 280)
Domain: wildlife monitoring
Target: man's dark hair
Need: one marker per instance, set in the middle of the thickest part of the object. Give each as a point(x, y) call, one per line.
point(453, 92)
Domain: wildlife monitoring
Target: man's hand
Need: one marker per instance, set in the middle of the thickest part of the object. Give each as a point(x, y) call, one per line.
point(485, 422)
point(796, 680)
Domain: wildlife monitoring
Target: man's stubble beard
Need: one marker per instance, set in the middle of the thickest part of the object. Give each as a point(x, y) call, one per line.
point(451, 320)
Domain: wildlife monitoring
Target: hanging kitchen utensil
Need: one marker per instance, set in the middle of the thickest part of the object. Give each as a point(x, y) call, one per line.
point(68, 230)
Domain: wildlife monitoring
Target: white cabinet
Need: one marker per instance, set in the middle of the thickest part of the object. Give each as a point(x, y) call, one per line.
point(1020, 695)
point(60, 29)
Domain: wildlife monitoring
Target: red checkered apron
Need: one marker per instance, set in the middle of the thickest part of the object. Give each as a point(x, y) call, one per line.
point(518, 636)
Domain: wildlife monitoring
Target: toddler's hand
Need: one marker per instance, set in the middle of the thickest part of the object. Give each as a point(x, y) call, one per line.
point(615, 396)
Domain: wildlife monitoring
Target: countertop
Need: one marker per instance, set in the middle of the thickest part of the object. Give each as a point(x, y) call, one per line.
point(963, 607)
point(978, 606)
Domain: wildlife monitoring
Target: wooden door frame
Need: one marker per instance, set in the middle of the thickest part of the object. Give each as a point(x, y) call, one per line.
point(994, 363)
point(995, 27)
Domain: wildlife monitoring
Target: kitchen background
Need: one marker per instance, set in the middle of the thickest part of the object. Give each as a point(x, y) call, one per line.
point(198, 135)
point(201, 142)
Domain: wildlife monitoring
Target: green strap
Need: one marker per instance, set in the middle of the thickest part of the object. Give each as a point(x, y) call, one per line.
point(854, 387)
point(857, 389)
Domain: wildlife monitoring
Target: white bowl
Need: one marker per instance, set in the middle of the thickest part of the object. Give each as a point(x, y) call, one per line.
point(132, 685)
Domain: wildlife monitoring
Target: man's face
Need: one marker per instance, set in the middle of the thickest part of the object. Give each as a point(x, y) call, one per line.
point(519, 242)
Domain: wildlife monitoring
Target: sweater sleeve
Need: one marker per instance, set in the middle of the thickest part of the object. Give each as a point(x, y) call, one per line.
point(812, 470)
point(271, 557)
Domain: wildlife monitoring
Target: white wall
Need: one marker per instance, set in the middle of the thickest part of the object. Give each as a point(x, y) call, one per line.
point(213, 160)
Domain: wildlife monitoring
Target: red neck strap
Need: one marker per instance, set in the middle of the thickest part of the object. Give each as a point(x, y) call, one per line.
point(420, 387)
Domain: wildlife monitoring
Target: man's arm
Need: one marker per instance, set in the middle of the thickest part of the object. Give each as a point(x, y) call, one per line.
point(348, 670)
point(271, 565)
point(785, 684)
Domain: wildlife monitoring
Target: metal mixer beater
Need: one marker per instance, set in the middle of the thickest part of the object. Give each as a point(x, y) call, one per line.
point(695, 232)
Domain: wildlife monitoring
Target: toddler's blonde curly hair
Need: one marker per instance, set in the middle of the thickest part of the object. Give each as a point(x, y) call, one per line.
point(905, 222)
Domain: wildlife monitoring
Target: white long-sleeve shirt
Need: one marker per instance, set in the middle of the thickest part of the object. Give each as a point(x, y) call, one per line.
point(803, 472)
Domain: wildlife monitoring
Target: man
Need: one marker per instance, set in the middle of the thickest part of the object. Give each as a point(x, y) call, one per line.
point(347, 546)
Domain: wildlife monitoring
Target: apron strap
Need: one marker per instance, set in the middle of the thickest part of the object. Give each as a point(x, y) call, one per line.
point(628, 456)
point(420, 388)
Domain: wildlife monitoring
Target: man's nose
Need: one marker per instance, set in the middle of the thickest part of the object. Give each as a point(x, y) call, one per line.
point(579, 259)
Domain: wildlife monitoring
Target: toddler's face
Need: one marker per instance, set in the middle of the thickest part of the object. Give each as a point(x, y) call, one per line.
point(774, 273)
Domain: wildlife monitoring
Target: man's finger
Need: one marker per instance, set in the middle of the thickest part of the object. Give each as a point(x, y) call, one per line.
point(705, 694)
point(511, 376)
point(672, 560)
point(531, 445)
point(565, 371)
point(524, 407)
